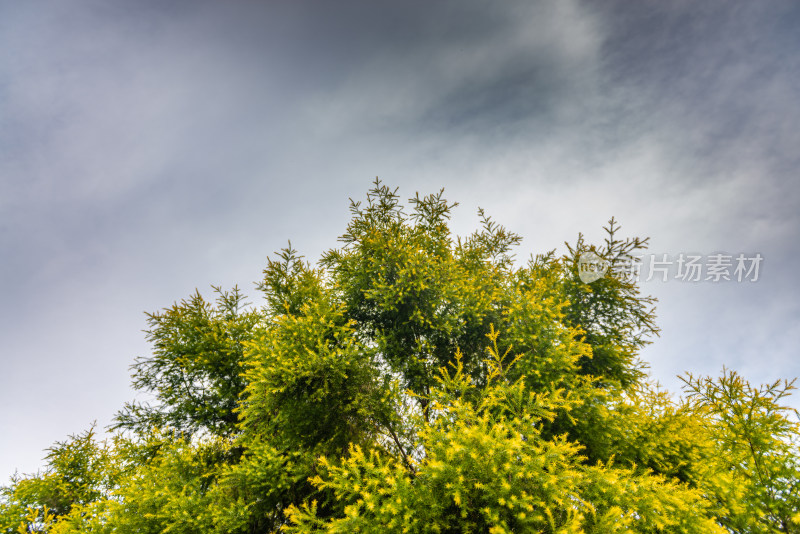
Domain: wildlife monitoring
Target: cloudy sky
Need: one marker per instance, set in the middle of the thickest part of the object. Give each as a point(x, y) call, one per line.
point(150, 148)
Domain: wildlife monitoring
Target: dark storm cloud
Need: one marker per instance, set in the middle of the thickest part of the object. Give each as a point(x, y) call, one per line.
point(719, 74)
point(466, 70)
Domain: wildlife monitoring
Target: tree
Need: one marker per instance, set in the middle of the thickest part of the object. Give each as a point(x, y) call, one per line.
point(416, 381)
point(487, 468)
point(78, 471)
point(754, 469)
point(195, 372)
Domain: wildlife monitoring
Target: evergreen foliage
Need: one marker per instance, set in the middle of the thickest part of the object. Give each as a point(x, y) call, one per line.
point(416, 381)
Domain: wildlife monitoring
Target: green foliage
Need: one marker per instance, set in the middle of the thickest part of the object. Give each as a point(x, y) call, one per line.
point(416, 381)
point(310, 382)
point(196, 366)
point(615, 319)
point(486, 468)
point(641, 427)
point(166, 487)
point(755, 466)
point(412, 291)
point(313, 389)
point(78, 471)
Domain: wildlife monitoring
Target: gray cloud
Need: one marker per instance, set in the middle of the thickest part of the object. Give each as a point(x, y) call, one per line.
point(149, 150)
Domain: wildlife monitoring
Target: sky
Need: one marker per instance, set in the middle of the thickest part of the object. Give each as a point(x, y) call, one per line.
point(148, 149)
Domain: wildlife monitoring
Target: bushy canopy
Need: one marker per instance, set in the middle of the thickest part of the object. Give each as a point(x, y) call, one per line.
point(416, 381)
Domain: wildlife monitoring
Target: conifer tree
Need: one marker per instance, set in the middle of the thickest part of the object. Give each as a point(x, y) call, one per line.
point(417, 381)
